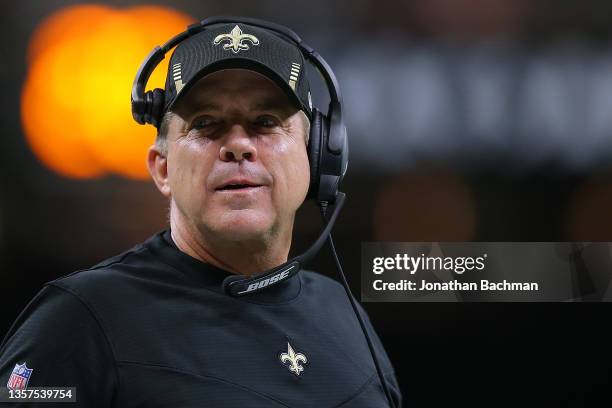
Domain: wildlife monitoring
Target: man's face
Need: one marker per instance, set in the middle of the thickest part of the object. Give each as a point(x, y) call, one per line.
point(237, 164)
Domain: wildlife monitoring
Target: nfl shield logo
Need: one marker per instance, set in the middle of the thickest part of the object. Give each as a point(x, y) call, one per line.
point(19, 377)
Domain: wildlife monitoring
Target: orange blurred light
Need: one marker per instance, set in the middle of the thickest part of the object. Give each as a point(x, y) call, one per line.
point(75, 106)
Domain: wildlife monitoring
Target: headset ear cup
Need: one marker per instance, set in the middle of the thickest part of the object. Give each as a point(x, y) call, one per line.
point(157, 106)
point(148, 104)
point(154, 105)
point(314, 152)
point(138, 107)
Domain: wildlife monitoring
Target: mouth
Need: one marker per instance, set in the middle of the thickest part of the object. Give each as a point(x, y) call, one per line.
point(238, 186)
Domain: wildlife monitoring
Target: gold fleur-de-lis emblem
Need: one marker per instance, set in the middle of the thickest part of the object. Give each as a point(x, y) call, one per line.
point(236, 40)
point(294, 360)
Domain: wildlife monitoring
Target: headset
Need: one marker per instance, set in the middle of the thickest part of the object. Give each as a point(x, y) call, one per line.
point(327, 155)
point(328, 144)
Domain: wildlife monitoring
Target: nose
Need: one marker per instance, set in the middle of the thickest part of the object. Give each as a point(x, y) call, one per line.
point(238, 146)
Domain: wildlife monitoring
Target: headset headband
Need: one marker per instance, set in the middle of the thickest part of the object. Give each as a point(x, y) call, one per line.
point(337, 131)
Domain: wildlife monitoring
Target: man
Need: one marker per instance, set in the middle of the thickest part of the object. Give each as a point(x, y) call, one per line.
point(153, 326)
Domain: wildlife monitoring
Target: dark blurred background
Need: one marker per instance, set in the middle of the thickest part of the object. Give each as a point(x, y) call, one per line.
point(469, 120)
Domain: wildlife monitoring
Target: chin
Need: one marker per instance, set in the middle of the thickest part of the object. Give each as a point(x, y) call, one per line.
point(242, 225)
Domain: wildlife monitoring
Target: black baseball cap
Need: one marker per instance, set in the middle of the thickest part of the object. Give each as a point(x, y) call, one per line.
point(238, 45)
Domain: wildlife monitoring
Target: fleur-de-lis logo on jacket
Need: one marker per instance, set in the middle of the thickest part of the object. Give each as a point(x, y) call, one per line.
point(236, 40)
point(294, 360)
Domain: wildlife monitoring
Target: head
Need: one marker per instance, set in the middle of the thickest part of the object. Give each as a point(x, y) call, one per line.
point(231, 158)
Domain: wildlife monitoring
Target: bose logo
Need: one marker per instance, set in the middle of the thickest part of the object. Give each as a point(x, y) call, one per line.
point(268, 281)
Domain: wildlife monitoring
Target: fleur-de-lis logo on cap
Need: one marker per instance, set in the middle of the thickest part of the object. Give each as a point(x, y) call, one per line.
point(236, 40)
point(294, 360)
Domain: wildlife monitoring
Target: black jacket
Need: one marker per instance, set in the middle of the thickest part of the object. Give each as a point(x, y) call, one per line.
point(152, 328)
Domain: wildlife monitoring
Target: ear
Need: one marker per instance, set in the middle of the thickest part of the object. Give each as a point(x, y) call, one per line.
point(158, 168)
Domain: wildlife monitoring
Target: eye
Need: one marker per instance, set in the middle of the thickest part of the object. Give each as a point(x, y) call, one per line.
point(266, 121)
point(204, 122)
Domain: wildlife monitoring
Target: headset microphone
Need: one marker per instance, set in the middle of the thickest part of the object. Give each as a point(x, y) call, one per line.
point(237, 285)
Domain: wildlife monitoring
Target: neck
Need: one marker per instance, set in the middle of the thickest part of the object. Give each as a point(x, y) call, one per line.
point(254, 255)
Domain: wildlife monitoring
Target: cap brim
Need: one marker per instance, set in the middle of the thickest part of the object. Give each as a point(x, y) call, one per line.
point(240, 63)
